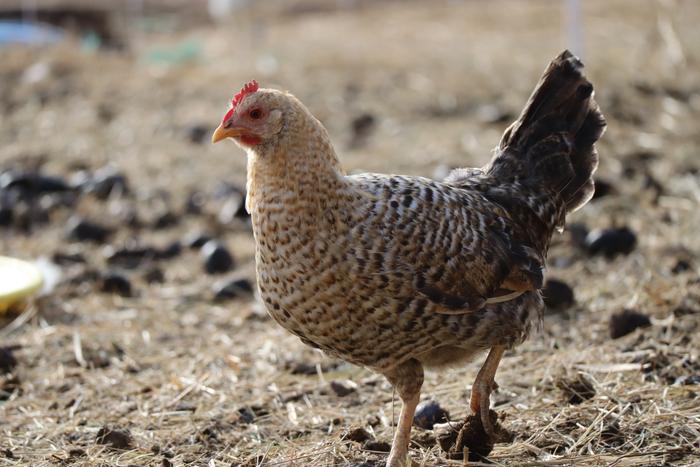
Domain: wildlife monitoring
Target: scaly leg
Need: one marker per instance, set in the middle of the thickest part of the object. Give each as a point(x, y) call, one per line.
point(483, 385)
point(407, 379)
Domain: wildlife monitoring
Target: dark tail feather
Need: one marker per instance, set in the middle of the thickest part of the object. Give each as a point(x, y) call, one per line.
point(552, 144)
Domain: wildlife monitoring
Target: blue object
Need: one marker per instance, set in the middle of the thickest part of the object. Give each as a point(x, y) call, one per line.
point(19, 32)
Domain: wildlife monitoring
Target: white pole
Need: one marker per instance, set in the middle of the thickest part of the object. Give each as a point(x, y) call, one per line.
point(574, 27)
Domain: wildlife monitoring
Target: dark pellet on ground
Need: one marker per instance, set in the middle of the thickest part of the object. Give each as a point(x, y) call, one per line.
point(165, 220)
point(626, 322)
point(687, 380)
point(362, 125)
point(154, 276)
point(376, 446)
point(472, 436)
point(343, 388)
point(114, 437)
point(217, 258)
point(196, 240)
point(603, 188)
point(557, 295)
point(234, 289)
point(358, 434)
point(131, 257)
point(576, 390)
point(302, 368)
point(681, 266)
point(107, 182)
point(116, 283)
point(75, 453)
point(197, 133)
point(611, 242)
point(67, 259)
point(428, 413)
point(248, 414)
point(6, 216)
point(233, 208)
point(577, 234)
point(8, 362)
point(171, 251)
point(84, 230)
point(195, 202)
point(33, 183)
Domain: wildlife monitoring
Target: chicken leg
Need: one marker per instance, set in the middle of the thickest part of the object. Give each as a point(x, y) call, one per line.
point(407, 379)
point(483, 385)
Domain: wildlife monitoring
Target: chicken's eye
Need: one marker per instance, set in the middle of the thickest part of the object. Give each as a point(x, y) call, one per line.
point(255, 114)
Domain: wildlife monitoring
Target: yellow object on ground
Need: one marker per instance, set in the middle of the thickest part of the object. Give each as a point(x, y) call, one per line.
point(18, 280)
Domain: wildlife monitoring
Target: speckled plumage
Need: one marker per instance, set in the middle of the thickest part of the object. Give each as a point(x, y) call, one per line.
point(395, 273)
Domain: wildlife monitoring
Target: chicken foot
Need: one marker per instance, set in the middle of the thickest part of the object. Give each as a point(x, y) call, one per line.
point(481, 390)
point(407, 379)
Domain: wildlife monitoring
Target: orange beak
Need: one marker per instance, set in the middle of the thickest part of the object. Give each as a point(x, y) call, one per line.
point(223, 133)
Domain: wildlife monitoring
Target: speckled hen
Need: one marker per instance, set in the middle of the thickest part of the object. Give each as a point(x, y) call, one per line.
point(399, 273)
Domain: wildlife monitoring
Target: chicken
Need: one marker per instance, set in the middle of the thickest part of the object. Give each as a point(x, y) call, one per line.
point(398, 273)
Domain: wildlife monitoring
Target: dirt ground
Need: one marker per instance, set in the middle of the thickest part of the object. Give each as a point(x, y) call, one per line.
point(165, 374)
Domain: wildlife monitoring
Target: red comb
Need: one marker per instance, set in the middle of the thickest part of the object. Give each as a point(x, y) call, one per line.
point(249, 88)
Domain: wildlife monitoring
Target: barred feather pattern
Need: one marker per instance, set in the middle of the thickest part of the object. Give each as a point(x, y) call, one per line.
point(378, 269)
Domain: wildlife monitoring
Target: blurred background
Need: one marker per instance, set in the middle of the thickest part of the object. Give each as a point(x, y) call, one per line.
point(108, 181)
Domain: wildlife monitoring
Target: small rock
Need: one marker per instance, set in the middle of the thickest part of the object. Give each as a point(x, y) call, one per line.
point(577, 390)
point(358, 435)
point(8, 362)
point(115, 283)
point(557, 295)
point(197, 133)
point(114, 437)
point(196, 240)
point(233, 289)
point(428, 413)
point(343, 388)
point(376, 446)
point(217, 258)
point(611, 242)
point(627, 321)
point(84, 230)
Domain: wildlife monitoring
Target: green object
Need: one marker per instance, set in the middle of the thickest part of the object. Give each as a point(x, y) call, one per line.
point(184, 52)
